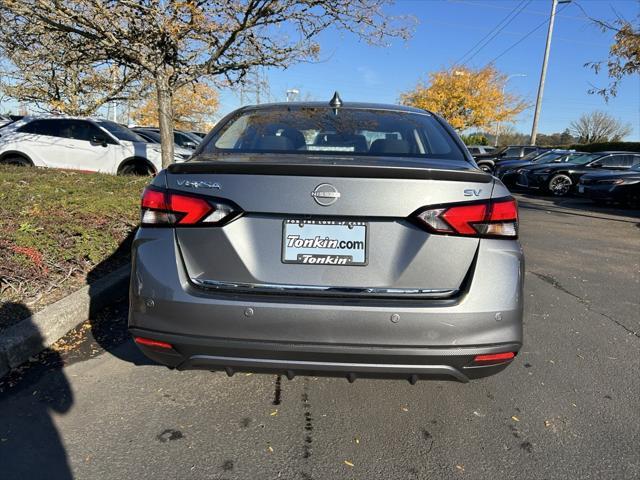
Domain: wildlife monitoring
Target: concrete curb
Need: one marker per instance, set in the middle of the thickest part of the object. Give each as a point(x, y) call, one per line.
point(42, 329)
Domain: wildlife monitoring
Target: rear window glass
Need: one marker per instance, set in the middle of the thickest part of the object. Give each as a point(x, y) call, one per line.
point(322, 131)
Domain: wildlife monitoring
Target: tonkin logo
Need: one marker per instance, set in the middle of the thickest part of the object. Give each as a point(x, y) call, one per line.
point(325, 194)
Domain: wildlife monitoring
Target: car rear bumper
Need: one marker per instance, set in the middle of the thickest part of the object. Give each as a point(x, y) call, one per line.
point(351, 336)
point(215, 354)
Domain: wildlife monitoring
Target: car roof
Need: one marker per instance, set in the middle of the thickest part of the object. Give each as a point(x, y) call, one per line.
point(356, 105)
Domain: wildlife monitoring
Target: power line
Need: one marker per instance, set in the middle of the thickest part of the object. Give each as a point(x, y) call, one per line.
point(502, 24)
point(545, 22)
point(501, 7)
point(500, 30)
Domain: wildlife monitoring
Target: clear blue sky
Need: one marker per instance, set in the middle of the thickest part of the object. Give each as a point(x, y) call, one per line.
point(446, 30)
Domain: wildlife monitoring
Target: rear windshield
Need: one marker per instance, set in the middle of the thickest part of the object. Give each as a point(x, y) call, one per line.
point(322, 131)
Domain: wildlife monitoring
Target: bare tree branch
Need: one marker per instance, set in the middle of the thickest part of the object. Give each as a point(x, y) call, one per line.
point(596, 127)
point(173, 44)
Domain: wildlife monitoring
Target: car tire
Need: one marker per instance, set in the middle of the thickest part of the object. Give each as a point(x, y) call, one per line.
point(136, 168)
point(560, 185)
point(17, 160)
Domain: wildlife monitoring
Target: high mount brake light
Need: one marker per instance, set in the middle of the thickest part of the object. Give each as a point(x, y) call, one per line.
point(489, 218)
point(164, 208)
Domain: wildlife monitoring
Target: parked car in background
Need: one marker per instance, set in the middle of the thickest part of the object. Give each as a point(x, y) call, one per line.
point(154, 137)
point(180, 138)
point(270, 250)
point(480, 149)
point(561, 178)
point(489, 161)
point(4, 120)
point(76, 143)
point(198, 134)
point(612, 186)
point(507, 171)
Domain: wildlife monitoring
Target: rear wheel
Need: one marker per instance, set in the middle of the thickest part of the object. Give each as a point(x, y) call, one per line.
point(137, 168)
point(560, 185)
point(17, 160)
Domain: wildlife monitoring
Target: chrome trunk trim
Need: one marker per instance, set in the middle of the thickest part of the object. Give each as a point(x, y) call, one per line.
point(323, 290)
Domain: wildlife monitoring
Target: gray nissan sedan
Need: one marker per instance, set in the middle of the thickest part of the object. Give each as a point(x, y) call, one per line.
point(341, 239)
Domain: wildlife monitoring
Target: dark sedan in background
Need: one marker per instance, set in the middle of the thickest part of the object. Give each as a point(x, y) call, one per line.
point(560, 178)
point(489, 161)
point(612, 186)
point(507, 171)
point(180, 138)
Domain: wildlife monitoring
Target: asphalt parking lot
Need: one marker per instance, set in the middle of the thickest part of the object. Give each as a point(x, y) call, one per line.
point(568, 407)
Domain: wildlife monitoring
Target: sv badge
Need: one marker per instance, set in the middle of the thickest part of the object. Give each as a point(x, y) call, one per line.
point(471, 192)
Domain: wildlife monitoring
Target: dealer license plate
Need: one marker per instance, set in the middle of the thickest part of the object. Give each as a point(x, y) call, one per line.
point(324, 242)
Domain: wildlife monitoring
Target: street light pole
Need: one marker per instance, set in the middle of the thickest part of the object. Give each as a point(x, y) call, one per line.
point(543, 74)
point(495, 143)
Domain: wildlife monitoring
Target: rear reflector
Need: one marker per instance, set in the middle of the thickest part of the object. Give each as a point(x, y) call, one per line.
point(147, 342)
point(494, 357)
point(162, 208)
point(489, 218)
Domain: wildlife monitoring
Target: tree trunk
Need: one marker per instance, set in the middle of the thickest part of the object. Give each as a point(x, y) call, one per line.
point(165, 118)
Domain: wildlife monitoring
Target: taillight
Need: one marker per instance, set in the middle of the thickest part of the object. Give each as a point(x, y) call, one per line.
point(489, 218)
point(161, 208)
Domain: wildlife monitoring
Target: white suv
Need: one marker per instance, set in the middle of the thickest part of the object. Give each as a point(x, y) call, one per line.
point(79, 144)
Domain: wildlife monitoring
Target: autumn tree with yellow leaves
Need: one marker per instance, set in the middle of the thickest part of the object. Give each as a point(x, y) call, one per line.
point(467, 97)
point(193, 108)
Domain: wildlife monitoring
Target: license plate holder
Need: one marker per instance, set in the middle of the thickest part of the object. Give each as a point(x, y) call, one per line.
point(325, 242)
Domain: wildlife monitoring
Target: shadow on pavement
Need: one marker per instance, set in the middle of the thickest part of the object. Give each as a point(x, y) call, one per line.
point(30, 446)
point(109, 322)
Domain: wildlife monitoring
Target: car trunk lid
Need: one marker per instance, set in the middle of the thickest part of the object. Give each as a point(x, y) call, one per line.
point(360, 200)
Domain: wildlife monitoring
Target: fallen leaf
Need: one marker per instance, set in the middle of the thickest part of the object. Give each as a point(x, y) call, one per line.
point(357, 440)
point(348, 463)
point(547, 423)
point(404, 409)
point(515, 419)
point(460, 467)
point(248, 374)
point(270, 449)
point(274, 413)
